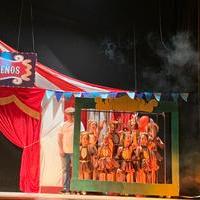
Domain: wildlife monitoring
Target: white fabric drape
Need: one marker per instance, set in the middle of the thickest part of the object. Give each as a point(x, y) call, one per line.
point(51, 164)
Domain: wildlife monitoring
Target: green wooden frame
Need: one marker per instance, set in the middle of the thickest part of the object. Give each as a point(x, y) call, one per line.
point(121, 187)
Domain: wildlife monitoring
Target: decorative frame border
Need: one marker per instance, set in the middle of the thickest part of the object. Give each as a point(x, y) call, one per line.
point(128, 188)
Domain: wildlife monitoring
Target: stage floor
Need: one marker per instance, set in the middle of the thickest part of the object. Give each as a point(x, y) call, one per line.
point(36, 196)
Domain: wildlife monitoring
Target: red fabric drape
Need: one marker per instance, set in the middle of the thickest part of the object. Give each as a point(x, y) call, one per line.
point(122, 117)
point(24, 131)
point(84, 118)
point(32, 97)
point(70, 102)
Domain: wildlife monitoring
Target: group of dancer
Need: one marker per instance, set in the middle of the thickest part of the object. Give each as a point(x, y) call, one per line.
point(126, 153)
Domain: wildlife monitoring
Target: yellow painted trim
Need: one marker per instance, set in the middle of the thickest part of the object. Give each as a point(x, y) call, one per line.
point(125, 103)
point(26, 109)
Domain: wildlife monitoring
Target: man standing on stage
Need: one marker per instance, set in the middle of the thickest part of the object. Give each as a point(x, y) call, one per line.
point(65, 141)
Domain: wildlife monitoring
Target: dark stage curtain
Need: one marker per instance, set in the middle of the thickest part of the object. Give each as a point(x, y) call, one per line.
point(10, 159)
point(188, 20)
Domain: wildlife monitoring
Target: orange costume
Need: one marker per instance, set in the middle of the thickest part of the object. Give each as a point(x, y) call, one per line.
point(125, 154)
point(93, 153)
point(106, 164)
point(154, 143)
point(85, 166)
point(143, 160)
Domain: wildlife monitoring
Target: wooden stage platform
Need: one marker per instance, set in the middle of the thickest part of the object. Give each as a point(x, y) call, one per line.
point(36, 196)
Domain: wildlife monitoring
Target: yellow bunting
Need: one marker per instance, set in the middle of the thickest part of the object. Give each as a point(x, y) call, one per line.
point(26, 109)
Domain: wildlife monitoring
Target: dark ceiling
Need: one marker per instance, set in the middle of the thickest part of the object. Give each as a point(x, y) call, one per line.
point(71, 36)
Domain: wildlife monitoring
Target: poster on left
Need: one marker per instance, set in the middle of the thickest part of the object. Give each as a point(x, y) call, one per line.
point(17, 69)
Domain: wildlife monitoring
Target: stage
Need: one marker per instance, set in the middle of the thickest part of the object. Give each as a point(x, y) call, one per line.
point(36, 196)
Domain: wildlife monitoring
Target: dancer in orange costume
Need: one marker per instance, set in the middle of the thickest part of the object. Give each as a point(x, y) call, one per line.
point(95, 128)
point(154, 143)
point(93, 152)
point(143, 160)
point(125, 153)
point(133, 123)
point(106, 165)
point(114, 136)
point(85, 157)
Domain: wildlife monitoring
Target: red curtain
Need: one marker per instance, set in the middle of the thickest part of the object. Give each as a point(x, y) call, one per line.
point(70, 102)
point(84, 119)
point(31, 97)
point(123, 117)
point(23, 130)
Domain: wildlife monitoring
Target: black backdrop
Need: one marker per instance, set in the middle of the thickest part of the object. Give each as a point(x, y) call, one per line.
point(70, 37)
point(10, 157)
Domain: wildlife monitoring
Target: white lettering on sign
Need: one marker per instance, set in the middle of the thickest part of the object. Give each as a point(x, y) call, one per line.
point(6, 69)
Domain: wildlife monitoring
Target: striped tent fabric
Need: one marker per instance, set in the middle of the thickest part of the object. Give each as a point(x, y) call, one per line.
point(51, 178)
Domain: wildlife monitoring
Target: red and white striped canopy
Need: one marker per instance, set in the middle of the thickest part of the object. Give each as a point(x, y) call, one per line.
point(52, 80)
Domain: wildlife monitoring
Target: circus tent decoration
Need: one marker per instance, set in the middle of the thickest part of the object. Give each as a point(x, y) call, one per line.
point(39, 145)
point(28, 105)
